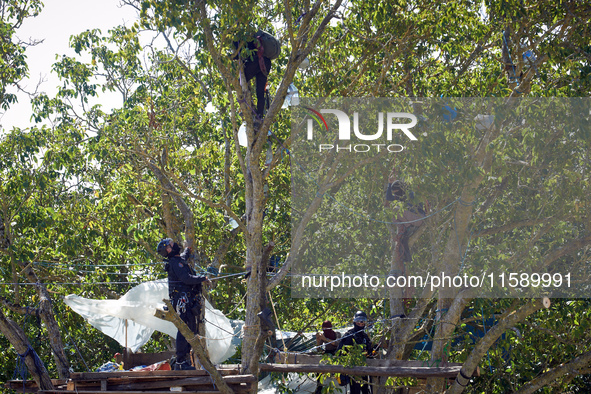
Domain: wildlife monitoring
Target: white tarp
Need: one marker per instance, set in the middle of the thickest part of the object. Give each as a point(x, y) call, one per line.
point(301, 384)
point(136, 309)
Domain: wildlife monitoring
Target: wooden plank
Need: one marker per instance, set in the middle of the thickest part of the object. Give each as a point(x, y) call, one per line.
point(125, 380)
point(236, 388)
point(193, 381)
point(295, 358)
point(131, 360)
point(417, 372)
point(30, 385)
point(76, 376)
point(28, 388)
point(123, 392)
point(120, 384)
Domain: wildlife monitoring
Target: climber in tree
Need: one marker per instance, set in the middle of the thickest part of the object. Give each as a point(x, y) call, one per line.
point(262, 49)
point(184, 289)
point(409, 220)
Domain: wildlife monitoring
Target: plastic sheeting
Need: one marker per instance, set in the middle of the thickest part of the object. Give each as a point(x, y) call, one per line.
point(136, 310)
point(302, 384)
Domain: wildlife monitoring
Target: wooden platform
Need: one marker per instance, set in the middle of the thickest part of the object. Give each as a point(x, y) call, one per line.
point(130, 359)
point(293, 362)
point(199, 381)
point(30, 386)
point(153, 382)
point(123, 392)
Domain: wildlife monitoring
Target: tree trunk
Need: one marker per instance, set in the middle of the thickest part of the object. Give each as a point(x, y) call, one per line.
point(250, 164)
point(16, 336)
point(53, 330)
point(453, 255)
point(195, 341)
point(254, 241)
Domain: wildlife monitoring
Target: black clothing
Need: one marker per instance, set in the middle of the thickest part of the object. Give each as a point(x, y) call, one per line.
point(184, 289)
point(357, 336)
point(181, 277)
point(187, 314)
point(176, 249)
point(358, 388)
point(252, 69)
point(395, 192)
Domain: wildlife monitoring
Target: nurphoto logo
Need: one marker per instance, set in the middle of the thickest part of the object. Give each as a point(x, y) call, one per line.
point(395, 122)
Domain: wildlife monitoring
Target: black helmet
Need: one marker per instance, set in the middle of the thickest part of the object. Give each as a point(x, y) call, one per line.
point(360, 316)
point(161, 249)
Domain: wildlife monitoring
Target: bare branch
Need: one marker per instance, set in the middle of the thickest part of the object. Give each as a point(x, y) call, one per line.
point(490, 337)
point(574, 367)
point(22, 310)
point(195, 341)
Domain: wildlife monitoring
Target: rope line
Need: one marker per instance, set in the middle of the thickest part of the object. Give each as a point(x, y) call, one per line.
point(38, 363)
point(371, 327)
point(107, 283)
point(277, 319)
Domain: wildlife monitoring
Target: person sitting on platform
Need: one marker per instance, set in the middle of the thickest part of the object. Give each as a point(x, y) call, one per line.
point(329, 339)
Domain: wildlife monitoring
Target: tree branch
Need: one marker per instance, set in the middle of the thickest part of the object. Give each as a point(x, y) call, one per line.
point(16, 336)
point(194, 340)
point(565, 250)
point(573, 367)
point(22, 310)
point(490, 337)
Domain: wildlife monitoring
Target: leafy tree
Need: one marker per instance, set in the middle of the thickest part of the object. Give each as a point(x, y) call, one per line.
point(111, 183)
point(13, 66)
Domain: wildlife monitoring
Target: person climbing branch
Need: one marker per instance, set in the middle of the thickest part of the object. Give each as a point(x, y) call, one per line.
point(410, 219)
point(263, 48)
point(184, 290)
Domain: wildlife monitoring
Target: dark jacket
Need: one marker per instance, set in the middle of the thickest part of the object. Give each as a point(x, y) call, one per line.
point(357, 336)
point(396, 192)
point(181, 277)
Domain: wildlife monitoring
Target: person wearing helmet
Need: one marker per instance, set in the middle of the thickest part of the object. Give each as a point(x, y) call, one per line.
point(184, 290)
point(357, 336)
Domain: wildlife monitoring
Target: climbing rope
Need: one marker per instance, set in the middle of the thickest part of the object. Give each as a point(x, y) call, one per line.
point(277, 320)
point(23, 366)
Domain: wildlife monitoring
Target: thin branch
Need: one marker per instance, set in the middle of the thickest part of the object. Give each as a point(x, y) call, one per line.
point(574, 367)
point(490, 337)
point(22, 310)
point(195, 341)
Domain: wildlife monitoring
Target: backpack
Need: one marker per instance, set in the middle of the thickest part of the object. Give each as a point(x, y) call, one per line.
point(271, 45)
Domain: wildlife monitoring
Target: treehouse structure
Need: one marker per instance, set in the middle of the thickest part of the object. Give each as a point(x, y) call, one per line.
point(200, 382)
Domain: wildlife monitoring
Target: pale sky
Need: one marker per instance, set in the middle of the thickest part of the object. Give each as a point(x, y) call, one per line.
point(59, 19)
